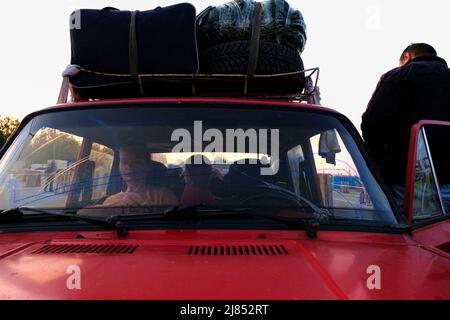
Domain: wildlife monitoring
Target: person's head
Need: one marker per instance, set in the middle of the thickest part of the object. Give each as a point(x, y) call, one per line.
point(198, 171)
point(134, 164)
point(416, 50)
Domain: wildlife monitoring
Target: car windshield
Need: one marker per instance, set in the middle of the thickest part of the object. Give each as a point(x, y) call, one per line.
point(129, 158)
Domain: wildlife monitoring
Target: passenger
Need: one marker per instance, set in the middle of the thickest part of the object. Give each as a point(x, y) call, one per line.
point(197, 175)
point(418, 89)
point(134, 167)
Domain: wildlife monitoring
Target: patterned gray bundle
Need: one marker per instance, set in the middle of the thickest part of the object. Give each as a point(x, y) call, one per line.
point(232, 22)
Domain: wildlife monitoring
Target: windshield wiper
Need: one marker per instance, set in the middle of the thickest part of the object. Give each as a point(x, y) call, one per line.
point(203, 211)
point(319, 213)
point(111, 222)
point(198, 212)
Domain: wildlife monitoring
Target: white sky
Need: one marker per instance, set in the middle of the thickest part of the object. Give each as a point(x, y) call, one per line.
point(352, 41)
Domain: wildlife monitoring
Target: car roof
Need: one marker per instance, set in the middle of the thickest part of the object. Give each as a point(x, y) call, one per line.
point(196, 99)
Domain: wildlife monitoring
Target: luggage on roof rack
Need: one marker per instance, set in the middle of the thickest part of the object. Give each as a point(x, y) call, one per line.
point(232, 21)
point(113, 41)
point(270, 34)
point(110, 42)
point(122, 54)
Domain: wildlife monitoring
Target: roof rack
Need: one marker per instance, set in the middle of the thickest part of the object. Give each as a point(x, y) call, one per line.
point(197, 84)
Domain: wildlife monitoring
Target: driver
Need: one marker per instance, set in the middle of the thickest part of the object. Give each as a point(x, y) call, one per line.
point(134, 167)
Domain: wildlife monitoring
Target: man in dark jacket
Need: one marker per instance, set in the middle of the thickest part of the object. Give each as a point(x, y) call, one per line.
point(418, 89)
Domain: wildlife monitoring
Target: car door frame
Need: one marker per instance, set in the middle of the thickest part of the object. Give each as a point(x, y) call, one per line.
point(432, 232)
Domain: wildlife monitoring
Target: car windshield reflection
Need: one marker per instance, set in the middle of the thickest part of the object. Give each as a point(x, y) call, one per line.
point(278, 160)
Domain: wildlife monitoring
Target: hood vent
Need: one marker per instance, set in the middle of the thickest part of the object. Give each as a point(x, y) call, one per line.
point(86, 248)
point(238, 250)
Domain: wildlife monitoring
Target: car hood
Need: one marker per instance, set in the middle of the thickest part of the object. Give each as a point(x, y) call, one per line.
point(213, 264)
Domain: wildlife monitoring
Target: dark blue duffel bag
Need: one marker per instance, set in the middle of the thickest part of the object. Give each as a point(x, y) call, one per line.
point(112, 47)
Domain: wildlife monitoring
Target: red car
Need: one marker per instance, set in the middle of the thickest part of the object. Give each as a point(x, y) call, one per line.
point(214, 198)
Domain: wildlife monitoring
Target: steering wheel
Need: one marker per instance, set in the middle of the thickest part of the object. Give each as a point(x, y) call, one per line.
point(270, 200)
point(278, 204)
